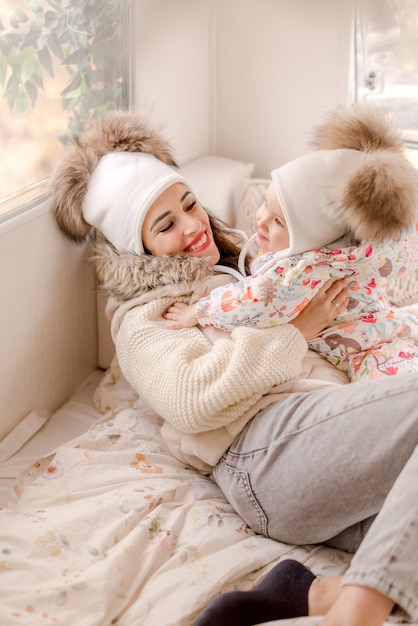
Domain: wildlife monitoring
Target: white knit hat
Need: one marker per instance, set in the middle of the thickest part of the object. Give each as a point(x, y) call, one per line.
point(120, 192)
point(310, 191)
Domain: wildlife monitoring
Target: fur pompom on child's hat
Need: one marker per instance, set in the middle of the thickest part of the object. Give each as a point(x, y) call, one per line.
point(357, 182)
point(109, 177)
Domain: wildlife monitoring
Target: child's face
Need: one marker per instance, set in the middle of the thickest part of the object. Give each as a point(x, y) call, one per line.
point(272, 233)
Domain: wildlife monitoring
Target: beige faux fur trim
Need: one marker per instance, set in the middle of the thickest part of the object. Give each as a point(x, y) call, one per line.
point(357, 127)
point(128, 275)
point(381, 200)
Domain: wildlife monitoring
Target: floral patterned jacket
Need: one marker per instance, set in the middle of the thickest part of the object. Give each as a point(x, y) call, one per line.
point(371, 338)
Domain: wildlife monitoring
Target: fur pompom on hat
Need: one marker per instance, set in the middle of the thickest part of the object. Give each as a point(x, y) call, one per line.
point(109, 177)
point(357, 182)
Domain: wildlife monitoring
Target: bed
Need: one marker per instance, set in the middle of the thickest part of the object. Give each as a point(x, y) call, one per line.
point(100, 524)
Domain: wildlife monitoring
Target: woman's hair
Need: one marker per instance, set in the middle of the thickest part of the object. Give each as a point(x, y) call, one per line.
point(228, 242)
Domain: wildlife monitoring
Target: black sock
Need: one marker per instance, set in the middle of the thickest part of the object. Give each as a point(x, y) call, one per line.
point(283, 593)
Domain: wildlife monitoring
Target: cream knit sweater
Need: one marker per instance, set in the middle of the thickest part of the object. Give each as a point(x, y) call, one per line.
point(194, 384)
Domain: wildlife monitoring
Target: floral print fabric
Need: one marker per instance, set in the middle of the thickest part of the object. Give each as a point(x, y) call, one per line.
point(112, 529)
point(370, 339)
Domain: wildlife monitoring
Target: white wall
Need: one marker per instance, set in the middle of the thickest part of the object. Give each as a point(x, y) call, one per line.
point(281, 65)
point(48, 330)
point(241, 78)
point(171, 65)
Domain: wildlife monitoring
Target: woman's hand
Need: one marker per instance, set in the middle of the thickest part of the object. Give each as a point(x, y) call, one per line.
point(182, 315)
point(324, 307)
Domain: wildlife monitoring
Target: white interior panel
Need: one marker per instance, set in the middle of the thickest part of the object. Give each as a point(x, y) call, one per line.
point(245, 79)
point(281, 65)
point(48, 330)
point(171, 69)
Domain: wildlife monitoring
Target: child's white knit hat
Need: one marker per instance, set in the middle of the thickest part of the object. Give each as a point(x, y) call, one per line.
point(121, 189)
point(358, 180)
point(310, 190)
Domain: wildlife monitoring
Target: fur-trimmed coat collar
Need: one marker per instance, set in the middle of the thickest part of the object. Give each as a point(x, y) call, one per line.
point(125, 276)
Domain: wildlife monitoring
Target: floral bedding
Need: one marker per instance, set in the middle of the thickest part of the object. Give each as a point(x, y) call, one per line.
point(112, 529)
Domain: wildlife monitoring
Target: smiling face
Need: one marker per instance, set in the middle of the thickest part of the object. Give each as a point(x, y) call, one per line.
point(272, 231)
point(176, 223)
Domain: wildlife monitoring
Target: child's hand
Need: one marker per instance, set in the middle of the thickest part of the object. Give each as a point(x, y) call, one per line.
point(183, 315)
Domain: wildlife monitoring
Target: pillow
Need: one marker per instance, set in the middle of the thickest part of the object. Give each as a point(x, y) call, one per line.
point(403, 290)
point(252, 198)
point(106, 347)
point(218, 183)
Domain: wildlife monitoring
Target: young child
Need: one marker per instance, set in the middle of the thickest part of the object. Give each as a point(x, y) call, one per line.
point(348, 209)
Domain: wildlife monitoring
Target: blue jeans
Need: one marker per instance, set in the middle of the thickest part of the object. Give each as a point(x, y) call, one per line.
point(337, 466)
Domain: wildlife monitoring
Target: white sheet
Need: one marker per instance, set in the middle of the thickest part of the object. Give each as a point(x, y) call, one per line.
point(116, 529)
point(72, 419)
point(112, 529)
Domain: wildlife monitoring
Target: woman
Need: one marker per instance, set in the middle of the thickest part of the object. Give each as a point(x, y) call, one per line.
point(301, 456)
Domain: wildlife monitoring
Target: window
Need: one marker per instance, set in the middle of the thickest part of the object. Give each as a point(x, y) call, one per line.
point(387, 60)
point(61, 63)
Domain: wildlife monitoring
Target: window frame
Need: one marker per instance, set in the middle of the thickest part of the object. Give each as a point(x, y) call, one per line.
point(365, 79)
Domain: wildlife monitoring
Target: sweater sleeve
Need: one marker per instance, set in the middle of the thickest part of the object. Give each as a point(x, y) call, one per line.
point(198, 386)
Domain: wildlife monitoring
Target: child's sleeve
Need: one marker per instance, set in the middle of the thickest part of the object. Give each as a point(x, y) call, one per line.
point(274, 295)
